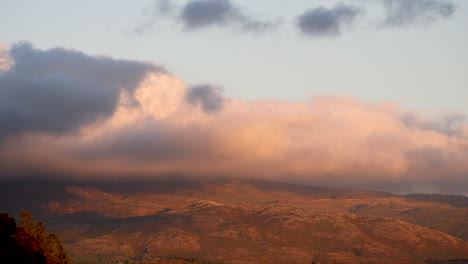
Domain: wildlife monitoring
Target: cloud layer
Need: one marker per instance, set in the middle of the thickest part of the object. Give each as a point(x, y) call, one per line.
point(194, 130)
point(317, 21)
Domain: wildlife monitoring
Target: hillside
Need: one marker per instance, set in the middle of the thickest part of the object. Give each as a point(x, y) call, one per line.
point(244, 221)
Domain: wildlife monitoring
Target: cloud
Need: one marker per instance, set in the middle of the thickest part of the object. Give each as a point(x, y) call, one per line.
point(449, 123)
point(198, 14)
point(400, 13)
point(209, 97)
point(330, 140)
point(5, 60)
point(159, 8)
point(164, 7)
point(58, 91)
point(320, 21)
point(326, 22)
point(201, 13)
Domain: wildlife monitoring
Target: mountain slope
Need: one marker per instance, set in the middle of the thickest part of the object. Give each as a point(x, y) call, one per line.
point(247, 221)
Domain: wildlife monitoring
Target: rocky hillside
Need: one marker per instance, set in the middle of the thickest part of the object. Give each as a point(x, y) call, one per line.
point(246, 221)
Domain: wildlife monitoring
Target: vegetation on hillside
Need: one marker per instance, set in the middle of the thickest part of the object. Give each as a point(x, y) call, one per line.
point(453, 200)
point(29, 242)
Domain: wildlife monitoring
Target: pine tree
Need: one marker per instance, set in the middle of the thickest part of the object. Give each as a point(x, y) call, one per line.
point(25, 234)
point(55, 252)
point(40, 234)
point(27, 222)
point(34, 238)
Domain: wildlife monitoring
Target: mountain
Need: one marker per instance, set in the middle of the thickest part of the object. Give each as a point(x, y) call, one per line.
point(189, 220)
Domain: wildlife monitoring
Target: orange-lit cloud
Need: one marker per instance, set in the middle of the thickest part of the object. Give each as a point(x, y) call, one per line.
point(5, 60)
point(331, 140)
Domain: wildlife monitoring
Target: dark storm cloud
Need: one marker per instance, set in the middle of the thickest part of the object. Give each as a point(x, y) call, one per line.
point(58, 91)
point(209, 97)
point(406, 12)
point(322, 22)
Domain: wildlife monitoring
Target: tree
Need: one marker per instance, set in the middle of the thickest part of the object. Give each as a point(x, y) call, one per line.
point(25, 235)
point(17, 245)
point(55, 252)
point(34, 238)
point(27, 221)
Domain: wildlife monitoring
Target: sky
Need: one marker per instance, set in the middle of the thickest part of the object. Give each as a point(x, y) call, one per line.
point(359, 93)
point(421, 64)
